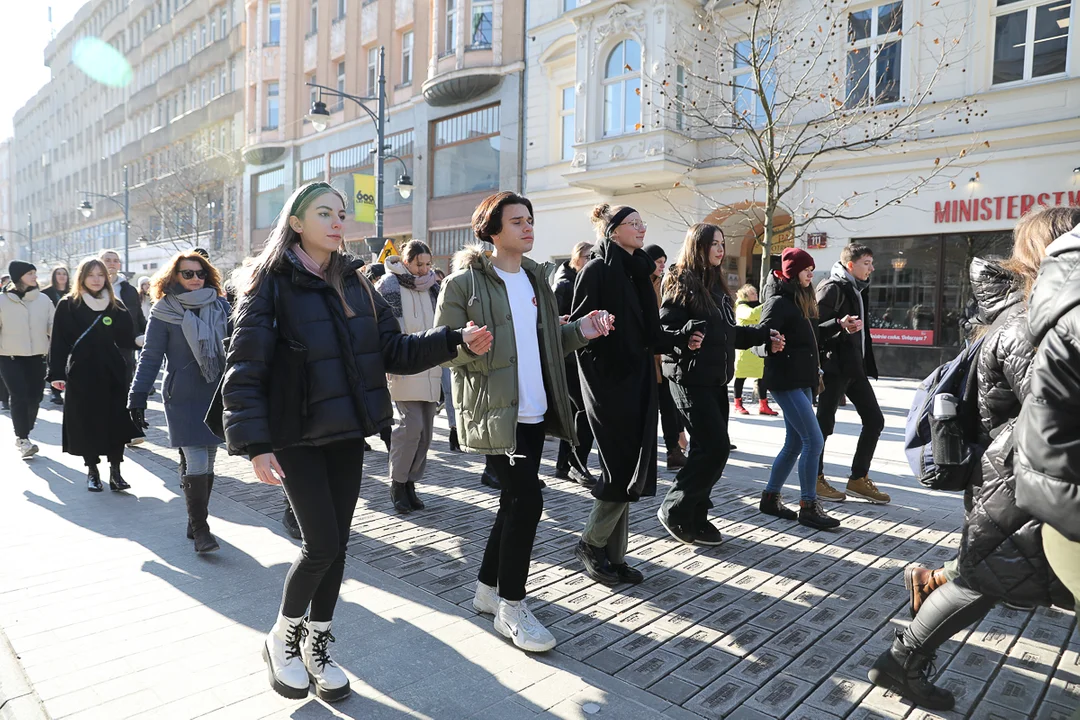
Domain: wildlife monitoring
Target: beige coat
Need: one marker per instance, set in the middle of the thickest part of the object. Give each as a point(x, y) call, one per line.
point(25, 323)
point(417, 315)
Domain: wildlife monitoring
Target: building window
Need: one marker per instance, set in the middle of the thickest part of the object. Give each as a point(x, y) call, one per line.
point(569, 5)
point(314, 91)
point(874, 52)
point(224, 137)
point(622, 89)
point(340, 84)
point(221, 84)
point(747, 99)
point(1031, 39)
point(202, 36)
point(682, 77)
point(213, 87)
point(213, 31)
point(444, 243)
point(269, 191)
point(373, 72)
point(406, 57)
point(482, 14)
point(450, 40)
point(224, 23)
point(273, 31)
point(313, 21)
point(466, 157)
point(566, 119)
point(271, 106)
point(313, 169)
point(341, 8)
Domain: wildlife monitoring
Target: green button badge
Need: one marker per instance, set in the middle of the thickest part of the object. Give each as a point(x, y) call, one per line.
point(106, 321)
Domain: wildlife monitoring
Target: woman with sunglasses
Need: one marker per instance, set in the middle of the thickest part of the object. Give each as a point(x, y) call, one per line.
point(187, 328)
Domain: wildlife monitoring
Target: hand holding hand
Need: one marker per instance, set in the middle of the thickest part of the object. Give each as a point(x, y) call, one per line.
point(695, 340)
point(851, 323)
point(598, 323)
point(477, 339)
point(265, 466)
point(138, 416)
point(777, 340)
point(59, 385)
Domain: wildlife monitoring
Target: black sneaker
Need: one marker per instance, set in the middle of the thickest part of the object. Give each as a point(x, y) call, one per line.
point(627, 574)
point(681, 533)
point(596, 563)
point(490, 480)
point(562, 473)
point(811, 514)
point(708, 535)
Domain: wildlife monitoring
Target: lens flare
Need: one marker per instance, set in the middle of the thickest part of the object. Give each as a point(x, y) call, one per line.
point(101, 62)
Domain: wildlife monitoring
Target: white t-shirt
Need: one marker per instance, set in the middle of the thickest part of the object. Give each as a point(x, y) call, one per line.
point(532, 400)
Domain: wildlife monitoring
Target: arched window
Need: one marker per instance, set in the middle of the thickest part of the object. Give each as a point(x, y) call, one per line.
point(622, 83)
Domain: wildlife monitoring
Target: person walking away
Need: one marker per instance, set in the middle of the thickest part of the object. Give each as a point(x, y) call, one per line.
point(671, 423)
point(698, 315)
point(793, 374)
point(1002, 558)
point(1047, 452)
point(146, 301)
point(187, 330)
point(92, 332)
point(748, 365)
point(573, 463)
point(26, 320)
point(508, 401)
point(305, 383)
point(848, 363)
point(411, 290)
point(618, 385)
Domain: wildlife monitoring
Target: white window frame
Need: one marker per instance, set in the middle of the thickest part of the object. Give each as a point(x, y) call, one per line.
point(273, 19)
point(342, 6)
point(567, 114)
point(373, 72)
point(313, 17)
point(481, 9)
point(450, 28)
point(873, 43)
point(1031, 7)
point(273, 101)
point(627, 76)
point(407, 43)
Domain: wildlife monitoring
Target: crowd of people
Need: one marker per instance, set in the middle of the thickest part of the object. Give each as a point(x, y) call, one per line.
point(304, 353)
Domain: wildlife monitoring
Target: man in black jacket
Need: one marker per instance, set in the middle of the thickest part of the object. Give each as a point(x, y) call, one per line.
point(1048, 429)
point(847, 361)
point(130, 297)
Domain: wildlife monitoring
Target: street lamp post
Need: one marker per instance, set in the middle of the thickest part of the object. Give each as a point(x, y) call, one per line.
point(320, 120)
point(24, 236)
point(87, 209)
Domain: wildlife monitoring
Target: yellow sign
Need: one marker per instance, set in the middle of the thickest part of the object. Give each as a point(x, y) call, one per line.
point(388, 249)
point(364, 197)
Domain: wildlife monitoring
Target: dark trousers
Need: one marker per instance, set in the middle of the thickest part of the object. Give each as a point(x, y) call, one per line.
point(861, 393)
point(509, 546)
point(322, 484)
point(947, 611)
point(568, 454)
point(671, 423)
point(705, 410)
point(25, 379)
point(762, 392)
point(115, 456)
point(4, 394)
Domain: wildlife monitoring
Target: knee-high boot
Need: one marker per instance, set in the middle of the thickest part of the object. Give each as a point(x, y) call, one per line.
point(197, 496)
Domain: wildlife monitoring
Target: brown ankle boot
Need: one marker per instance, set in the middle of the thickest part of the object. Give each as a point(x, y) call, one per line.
point(920, 581)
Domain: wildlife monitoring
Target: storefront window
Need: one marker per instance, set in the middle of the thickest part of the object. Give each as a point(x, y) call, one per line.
point(466, 157)
point(960, 249)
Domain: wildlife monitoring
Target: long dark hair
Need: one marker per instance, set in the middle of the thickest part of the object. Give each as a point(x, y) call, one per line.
point(52, 278)
point(692, 280)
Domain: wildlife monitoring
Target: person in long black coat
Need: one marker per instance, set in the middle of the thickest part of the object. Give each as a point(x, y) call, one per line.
point(618, 386)
point(92, 333)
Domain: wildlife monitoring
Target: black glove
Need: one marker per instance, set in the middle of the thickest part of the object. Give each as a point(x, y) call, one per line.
point(138, 416)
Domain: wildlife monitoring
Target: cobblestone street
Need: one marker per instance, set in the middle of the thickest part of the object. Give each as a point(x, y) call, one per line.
point(113, 616)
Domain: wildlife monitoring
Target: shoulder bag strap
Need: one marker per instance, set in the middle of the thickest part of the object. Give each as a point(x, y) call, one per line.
point(85, 333)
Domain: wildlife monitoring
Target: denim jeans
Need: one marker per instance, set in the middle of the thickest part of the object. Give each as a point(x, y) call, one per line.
point(802, 442)
point(200, 459)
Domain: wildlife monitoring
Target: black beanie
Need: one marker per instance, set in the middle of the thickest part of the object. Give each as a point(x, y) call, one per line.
point(18, 268)
point(655, 252)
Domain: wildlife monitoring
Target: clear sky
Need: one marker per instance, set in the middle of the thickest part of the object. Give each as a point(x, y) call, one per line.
point(24, 33)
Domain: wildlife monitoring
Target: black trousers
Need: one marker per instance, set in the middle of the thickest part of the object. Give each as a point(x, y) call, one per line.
point(758, 383)
point(24, 377)
point(568, 454)
point(861, 393)
point(115, 456)
point(509, 546)
point(671, 423)
point(705, 410)
point(322, 485)
point(947, 611)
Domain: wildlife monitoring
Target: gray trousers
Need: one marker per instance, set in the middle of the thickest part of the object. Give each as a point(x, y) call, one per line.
point(608, 527)
point(410, 440)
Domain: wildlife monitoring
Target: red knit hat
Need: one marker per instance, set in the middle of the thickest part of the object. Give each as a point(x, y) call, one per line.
point(793, 261)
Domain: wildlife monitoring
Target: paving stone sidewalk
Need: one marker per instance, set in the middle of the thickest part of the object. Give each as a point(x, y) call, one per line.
point(778, 622)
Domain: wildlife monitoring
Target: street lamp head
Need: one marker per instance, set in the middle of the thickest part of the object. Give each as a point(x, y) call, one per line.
point(86, 208)
point(3, 242)
point(143, 242)
point(404, 186)
point(319, 117)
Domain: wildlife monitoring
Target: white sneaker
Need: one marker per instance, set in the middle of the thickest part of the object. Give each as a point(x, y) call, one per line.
point(281, 651)
point(136, 441)
point(26, 448)
point(486, 600)
point(515, 621)
point(330, 681)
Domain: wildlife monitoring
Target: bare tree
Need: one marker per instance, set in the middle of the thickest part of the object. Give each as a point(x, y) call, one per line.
point(772, 92)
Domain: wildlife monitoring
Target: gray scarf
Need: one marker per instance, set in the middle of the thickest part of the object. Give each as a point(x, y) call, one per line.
point(204, 332)
point(840, 272)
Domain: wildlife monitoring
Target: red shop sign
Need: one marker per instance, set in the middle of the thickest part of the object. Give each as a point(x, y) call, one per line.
point(1000, 207)
point(892, 336)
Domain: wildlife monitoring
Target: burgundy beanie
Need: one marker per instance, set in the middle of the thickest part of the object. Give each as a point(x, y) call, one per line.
point(793, 261)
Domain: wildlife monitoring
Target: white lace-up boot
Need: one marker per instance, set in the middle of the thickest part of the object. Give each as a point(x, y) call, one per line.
point(281, 651)
point(331, 684)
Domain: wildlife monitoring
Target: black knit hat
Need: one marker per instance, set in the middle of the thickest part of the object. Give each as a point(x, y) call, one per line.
point(18, 268)
point(655, 252)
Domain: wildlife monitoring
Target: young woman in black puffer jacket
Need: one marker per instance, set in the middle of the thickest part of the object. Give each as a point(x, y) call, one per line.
point(1001, 552)
point(304, 384)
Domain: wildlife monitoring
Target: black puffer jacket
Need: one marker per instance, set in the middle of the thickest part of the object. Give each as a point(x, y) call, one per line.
point(562, 284)
point(299, 372)
point(1048, 430)
point(713, 364)
point(796, 366)
point(1001, 551)
point(842, 352)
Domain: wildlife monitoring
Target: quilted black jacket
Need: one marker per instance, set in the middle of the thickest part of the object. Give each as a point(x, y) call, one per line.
point(563, 286)
point(1048, 431)
point(336, 372)
point(796, 367)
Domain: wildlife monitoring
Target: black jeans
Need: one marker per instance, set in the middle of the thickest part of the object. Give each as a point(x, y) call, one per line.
point(568, 454)
point(509, 546)
point(322, 484)
point(861, 393)
point(947, 611)
point(25, 378)
point(705, 410)
point(670, 421)
point(758, 383)
point(115, 457)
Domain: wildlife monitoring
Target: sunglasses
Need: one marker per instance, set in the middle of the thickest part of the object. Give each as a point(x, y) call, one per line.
point(188, 274)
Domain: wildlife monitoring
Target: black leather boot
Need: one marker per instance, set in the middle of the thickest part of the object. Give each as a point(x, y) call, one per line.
point(771, 505)
point(455, 446)
point(93, 479)
point(183, 471)
point(413, 498)
point(400, 497)
point(906, 671)
point(116, 482)
point(811, 514)
point(197, 496)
